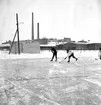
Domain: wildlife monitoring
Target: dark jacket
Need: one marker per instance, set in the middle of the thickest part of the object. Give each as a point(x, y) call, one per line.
point(54, 51)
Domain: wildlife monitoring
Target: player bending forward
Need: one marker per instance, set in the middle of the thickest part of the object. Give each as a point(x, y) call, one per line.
point(54, 51)
point(70, 54)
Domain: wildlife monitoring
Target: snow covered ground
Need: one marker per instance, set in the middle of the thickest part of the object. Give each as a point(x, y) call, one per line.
point(31, 79)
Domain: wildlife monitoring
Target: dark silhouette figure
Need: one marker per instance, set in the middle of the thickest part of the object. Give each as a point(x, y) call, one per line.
point(53, 50)
point(70, 54)
point(99, 53)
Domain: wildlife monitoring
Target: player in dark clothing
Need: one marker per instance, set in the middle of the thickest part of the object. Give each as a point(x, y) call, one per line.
point(70, 54)
point(53, 50)
point(99, 53)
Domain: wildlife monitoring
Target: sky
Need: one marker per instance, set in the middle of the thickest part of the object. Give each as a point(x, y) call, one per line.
point(75, 19)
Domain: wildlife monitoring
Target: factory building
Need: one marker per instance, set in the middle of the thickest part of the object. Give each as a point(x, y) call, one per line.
point(26, 47)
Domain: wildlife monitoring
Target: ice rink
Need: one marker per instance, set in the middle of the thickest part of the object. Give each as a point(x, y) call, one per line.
point(31, 79)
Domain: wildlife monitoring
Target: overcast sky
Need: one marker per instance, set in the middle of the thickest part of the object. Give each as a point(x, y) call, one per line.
point(76, 19)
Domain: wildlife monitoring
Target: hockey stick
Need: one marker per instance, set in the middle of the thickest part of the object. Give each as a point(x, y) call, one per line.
point(62, 60)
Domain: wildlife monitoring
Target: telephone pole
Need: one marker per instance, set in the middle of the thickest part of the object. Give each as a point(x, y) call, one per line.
point(18, 33)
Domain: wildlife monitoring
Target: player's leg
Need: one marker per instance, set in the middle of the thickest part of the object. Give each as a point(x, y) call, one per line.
point(55, 57)
point(52, 57)
point(69, 58)
point(100, 57)
point(74, 56)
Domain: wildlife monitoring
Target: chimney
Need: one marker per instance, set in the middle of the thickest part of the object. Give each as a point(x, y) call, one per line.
point(32, 27)
point(37, 30)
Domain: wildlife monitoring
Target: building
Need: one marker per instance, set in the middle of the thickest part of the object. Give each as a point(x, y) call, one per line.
point(67, 39)
point(26, 47)
point(5, 46)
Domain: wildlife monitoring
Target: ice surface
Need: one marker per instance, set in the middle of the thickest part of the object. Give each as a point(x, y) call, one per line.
point(31, 79)
point(47, 54)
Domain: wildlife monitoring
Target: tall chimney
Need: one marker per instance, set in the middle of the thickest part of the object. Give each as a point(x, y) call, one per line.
point(32, 27)
point(37, 30)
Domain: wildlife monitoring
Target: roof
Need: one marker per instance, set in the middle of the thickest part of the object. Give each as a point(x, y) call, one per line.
point(47, 45)
point(5, 45)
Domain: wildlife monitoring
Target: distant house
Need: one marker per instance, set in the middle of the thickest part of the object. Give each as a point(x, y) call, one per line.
point(5, 47)
point(67, 39)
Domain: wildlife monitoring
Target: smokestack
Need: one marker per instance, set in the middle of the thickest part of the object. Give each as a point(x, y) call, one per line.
point(37, 30)
point(32, 27)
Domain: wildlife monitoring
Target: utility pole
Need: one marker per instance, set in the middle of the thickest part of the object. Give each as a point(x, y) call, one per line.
point(12, 42)
point(18, 33)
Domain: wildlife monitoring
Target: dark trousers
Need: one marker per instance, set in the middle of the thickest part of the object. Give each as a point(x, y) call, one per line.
point(72, 55)
point(100, 57)
point(54, 56)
